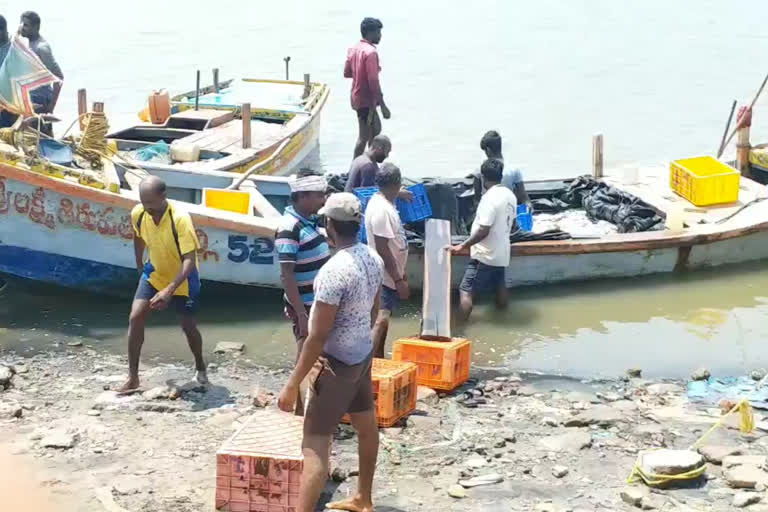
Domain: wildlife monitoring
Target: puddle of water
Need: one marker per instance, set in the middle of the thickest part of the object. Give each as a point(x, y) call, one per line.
point(667, 325)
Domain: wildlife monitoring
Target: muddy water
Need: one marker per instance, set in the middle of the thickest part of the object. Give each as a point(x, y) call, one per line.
point(666, 325)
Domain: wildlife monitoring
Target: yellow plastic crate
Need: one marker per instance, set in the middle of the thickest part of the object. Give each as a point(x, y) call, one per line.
point(704, 180)
point(236, 201)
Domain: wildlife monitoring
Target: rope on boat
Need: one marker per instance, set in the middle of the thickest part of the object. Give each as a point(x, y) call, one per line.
point(93, 141)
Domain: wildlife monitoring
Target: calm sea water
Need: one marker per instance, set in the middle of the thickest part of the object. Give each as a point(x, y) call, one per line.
point(655, 77)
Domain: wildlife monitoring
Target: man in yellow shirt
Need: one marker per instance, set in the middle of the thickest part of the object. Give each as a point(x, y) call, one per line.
point(169, 275)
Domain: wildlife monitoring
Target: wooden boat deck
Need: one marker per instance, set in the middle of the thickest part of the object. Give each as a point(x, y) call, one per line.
point(653, 187)
point(228, 137)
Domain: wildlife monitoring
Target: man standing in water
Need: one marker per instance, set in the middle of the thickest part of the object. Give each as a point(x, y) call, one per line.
point(362, 66)
point(168, 277)
point(386, 236)
point(302, 250)
point(45, 98)
point(488, 241)
point(346, 303)
point(362, 172)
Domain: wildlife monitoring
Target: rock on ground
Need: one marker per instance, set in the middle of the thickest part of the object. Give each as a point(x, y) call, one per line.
point(670, 462)
point(228, 347)
point(715, 453)
point(457, 491)
point(633, 496)
point(744, 460)
point(59, 439)
point(701, 374)
point(570, 442)
point(427, 396)
point(601, 415)
point(744, 499)
point(6, 374)
point(745, 477)
point(559, 471)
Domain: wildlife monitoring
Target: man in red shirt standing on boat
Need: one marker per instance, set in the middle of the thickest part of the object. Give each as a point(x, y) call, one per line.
point(362, 66)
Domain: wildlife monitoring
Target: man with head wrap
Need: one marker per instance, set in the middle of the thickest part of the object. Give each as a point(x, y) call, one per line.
point(302, 249)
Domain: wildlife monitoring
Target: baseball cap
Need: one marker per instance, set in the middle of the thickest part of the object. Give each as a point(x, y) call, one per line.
point(342, 206)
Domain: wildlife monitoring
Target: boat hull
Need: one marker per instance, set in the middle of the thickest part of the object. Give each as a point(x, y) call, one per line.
point(63, 233)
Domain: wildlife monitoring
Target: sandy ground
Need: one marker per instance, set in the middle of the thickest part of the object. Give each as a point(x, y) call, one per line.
point(547, 444)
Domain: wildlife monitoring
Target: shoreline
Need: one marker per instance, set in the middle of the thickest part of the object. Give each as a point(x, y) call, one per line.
point(555, 443)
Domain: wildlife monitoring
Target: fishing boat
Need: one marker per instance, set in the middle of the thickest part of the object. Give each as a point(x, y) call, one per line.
point(72, 227)
point(70, 224)
point(281, 128)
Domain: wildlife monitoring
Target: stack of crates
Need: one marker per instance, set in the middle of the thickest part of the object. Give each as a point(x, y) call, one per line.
point(258, 469)
point(394, 391)
point(442, 365)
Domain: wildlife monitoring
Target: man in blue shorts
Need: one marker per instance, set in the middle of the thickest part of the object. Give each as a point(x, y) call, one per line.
point(168, 277)
point(488, 242)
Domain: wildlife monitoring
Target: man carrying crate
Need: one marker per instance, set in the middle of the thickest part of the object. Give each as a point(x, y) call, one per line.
point(346, 303)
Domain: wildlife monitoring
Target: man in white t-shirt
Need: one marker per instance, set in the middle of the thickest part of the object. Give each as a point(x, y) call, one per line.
point(488, 242)
point(386, 236)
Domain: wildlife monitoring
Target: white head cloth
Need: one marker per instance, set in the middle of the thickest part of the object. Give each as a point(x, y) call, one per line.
point(309, 184)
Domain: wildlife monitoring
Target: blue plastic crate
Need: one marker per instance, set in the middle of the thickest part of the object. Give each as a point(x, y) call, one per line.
point(418, 209)
point(524, 217)
point(410, 211)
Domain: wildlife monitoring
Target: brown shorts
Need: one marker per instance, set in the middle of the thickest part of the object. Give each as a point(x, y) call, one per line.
point(350, 390)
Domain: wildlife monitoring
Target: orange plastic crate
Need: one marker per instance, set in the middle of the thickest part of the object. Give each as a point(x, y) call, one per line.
point(443, 365)
point(258, 469)
point(394, 391)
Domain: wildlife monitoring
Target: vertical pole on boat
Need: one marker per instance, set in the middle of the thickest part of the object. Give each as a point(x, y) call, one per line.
point(197, 92)
point(246, 112)
point(98, 106)
point(307, 86)
point(82, 105)
point(287, 60)
point(597, 156)
point(742, 140)
point(216, 79)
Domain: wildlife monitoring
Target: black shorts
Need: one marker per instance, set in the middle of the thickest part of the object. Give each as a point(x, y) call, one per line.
point(482, 278)
point(183, 305)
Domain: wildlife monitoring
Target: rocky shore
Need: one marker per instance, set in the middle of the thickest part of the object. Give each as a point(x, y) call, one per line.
point(510, 443)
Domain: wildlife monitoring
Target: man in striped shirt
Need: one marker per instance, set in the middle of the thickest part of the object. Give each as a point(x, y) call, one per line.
point(302, 249)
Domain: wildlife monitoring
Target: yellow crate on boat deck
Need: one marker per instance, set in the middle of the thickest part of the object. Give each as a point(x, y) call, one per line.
point(704, 180)
point(237, 201)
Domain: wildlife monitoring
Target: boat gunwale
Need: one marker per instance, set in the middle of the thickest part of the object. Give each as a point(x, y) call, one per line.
point(247, 156)
point(217, 219)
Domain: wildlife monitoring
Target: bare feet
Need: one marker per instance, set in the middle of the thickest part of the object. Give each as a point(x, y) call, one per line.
point(201, 377)
point(130, 386)
point(351, 504)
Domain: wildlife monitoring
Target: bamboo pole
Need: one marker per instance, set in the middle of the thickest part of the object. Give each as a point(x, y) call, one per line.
point(216, 80)
point(287, 61)
point(197, 92)
point(307, 86)
point(738, 120)
point(82, 105)
point(727, 127)
point(597, 156)
point(246, 112)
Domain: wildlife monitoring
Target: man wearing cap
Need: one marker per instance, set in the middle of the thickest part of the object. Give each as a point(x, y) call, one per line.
point(302, 250)
point(346, 303)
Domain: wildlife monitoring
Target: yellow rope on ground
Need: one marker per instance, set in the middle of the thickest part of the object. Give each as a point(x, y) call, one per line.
point(746, 426)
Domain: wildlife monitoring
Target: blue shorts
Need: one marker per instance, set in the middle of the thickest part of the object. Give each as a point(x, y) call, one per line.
point(482, 278)
point(389, 299)
point(182, 305)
